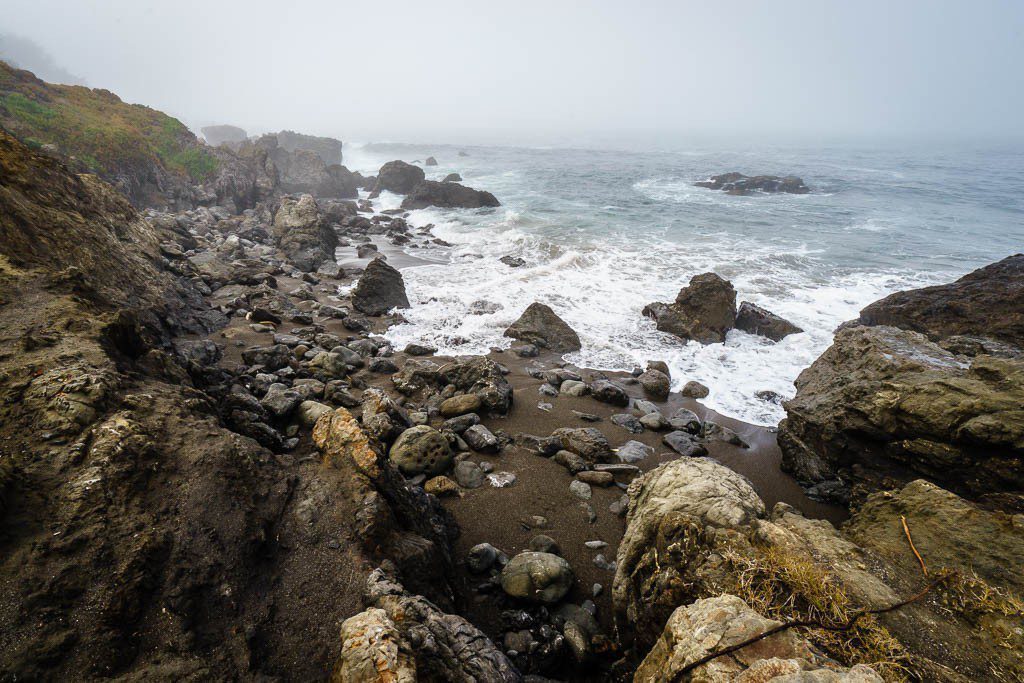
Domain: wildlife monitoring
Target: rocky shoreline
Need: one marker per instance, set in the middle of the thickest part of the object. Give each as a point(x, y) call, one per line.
point(214, 467)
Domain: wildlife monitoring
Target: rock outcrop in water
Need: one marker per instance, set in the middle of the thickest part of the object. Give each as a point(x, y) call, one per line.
point(380, 288)
point(399, 177)
point(539, 325)
point(756, 320)
point(704, 311)
point(739, 184)
point(447, 195)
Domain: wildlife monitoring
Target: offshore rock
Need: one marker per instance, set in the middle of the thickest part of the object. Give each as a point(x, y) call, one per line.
point(704, 311)
point(539, 325)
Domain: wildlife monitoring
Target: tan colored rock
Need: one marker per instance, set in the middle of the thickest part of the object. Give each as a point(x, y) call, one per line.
point(460, 405)
point(338, 436)
point(372, 651)
point(441, 486)
point(709, 625)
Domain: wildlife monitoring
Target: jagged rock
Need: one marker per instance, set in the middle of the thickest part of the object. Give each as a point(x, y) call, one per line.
point(449, 195)
point(302, 234)
point(987, 304)
point(480, 438)
point(739, 184)
point(712, 624)
point(328, 149)
point(888, 404)
point(372, 651)
point(421, 450)
point(399, 177)
point(694, 389)
point(704, 311)
point(539, 577)
point(756, 320)
point(539, 325)
point(380, 288)
point(446, 647)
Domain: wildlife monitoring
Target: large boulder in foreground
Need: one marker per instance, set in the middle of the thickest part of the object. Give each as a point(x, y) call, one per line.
point(302, 234)
point(739, 184)
point(399, 177)
point(756, 320)
point(539, 325)
point(703, 311)
point(987, 303)
point(659, 558)
point(712, 624)
point(884, 405)
point(380, 288)
point(447, 195)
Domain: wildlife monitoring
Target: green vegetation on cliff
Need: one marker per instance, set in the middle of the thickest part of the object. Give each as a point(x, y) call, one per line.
point(108, 136)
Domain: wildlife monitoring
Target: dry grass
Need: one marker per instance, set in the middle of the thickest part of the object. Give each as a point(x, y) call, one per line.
point(790, 587)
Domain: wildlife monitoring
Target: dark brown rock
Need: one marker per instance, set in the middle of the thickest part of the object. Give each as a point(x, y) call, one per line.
point(703, 311)
point(739, 184)
point(756, 320)
point(539, 325)
point(449, 195)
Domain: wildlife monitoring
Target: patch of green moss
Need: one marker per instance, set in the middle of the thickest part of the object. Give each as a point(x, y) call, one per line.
point(110, 136)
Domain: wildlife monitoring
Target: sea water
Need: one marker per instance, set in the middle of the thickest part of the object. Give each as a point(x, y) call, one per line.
point(604, 232)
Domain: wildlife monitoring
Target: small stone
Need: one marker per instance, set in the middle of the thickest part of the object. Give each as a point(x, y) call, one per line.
point(595, 545)
point(571, 461)
point(580, 489)
point(602, 563)
point(480, 438)
point(587, 417)
point(634, 451)
point(460, 405)
point(501, 480)
point(481, 557)
point(469, 475)
point(545, 544)
point(628, 422)
point(596, 478)
point(596, 589)
point(572, 387)
point(441, 486)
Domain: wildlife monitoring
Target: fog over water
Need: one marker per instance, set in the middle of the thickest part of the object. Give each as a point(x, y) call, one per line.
point(601, 73)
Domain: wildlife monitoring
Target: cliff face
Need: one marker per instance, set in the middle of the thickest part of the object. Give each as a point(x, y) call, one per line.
point(139, 536)
point(151, 157)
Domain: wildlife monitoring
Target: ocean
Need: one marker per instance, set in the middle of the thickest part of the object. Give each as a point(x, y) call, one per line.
point(604, 232)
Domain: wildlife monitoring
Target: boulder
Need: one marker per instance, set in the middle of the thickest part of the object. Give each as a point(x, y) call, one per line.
point(460, 405)
point(430, 161)
point(586, 442)
point(670, 509)
point(449, 195)
point(656, 383)
point(452, 178)
point(421, 450)
point(399, 177)
point(883, 406)
point(538, 577)
point(739, 184)
point(609, 392)
point(372, 650)
point(539, 325)
point(756, 320)
point(302, 234)
point(380, 288)
point(987, 303)
point(704, 311)
point(694, 389)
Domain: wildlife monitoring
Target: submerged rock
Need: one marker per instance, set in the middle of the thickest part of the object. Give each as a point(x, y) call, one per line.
point(739, 184)
point(756, 320)
point(380, 288)
point(539, 325)
point(704, 311)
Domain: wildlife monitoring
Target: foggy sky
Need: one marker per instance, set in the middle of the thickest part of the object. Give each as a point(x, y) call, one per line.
point(484, 71)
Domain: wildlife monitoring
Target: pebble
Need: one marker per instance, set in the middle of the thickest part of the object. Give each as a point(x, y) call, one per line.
point(596, 478)
point(634, 451)
point(602, 563)
point(587, 417)
point(628, 422)
point(589, 509)
point(595, 545)
point(596, 589)
point(545, 544)
point(546, 407)
point(500, 480)
point(547, 390)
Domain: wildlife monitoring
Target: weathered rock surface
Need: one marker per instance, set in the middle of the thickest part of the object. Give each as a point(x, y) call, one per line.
point(372, 651)
point(986, 304)
point(380, 288)
point(756, 320)
point(739, 184)
point(450, 195)
point(540, 326)
point(224, 134)
point(421, 450)
point(884, 405)
point(539, 577)
point(480, 376)
point(302, 234)
point(712, 624)
point(704, 311)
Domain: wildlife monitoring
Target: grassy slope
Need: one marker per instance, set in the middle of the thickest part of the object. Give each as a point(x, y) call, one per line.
point(109, 136)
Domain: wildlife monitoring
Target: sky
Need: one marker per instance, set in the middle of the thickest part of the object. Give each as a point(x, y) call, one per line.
point(552, 71)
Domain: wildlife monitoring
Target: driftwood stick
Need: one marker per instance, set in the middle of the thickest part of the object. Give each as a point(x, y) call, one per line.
point(906, 530)
point(806, 623)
